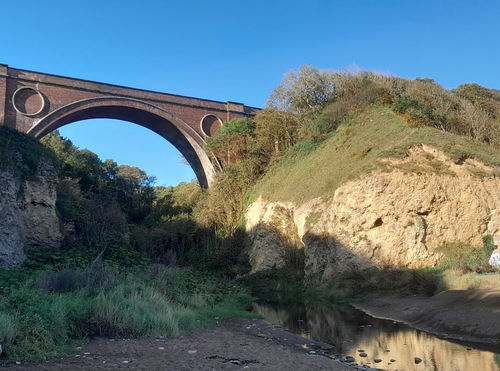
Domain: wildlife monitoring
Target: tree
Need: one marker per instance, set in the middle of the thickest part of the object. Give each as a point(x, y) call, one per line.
point(303, 92)
point(275, 131)
point(229, 143)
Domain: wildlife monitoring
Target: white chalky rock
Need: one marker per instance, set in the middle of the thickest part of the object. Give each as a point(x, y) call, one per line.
point(495, 259)
point(495, 256)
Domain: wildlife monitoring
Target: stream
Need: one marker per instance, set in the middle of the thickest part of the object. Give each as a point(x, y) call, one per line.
point(380, 344)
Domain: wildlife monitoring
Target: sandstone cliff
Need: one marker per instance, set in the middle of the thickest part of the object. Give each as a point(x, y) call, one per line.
point(396, 215)
point(28, 214)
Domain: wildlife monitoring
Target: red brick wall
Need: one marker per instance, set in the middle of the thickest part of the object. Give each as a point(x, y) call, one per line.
point(60, 91)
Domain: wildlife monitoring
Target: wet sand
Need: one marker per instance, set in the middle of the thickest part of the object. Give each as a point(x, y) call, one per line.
point(237, 344)
point(468, 315)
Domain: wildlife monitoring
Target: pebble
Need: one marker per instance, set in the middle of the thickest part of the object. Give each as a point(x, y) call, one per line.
point(418, 360)
point(192, 351)
point(18, 363)
point(125, 361)
point(161, 348)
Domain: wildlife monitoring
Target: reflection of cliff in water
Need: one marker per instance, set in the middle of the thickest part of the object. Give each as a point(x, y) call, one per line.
point(350, 330)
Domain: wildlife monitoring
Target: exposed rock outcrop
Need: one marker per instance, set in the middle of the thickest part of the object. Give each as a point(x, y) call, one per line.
point(395, 216)
point(28, 214)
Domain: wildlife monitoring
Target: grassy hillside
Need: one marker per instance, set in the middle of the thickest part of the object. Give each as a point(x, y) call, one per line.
point(355, 148)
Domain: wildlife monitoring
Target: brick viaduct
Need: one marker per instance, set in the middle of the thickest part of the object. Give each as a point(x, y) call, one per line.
point(37, 103)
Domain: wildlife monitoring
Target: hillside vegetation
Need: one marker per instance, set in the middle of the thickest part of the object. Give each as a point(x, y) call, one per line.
point(322, 128)
point(356, 148)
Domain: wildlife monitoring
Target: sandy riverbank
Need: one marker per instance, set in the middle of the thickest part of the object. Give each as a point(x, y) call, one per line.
point(469, 315)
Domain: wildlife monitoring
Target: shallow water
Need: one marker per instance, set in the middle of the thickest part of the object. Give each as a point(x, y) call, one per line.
point(352, 332)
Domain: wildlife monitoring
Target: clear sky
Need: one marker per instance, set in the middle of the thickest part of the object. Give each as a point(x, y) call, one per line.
point(239, 50)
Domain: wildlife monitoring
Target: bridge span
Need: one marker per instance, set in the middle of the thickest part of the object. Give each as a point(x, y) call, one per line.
point(37, 103)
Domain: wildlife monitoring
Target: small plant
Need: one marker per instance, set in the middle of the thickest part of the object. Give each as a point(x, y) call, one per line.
point(488, 245)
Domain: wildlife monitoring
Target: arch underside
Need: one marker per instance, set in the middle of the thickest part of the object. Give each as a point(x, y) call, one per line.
point(177, 132)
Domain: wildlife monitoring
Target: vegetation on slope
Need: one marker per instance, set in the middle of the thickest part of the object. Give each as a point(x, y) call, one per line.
point(20, 153)
point(356, 148)
point(323, 128)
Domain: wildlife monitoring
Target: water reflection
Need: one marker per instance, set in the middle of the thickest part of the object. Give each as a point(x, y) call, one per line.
point(352, 332)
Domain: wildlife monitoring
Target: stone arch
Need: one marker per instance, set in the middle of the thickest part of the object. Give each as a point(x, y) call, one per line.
point(170, 127)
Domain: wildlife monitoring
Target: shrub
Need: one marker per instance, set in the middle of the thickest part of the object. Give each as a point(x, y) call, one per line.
point(464, 257)
point(61, 281)
point(96, 276)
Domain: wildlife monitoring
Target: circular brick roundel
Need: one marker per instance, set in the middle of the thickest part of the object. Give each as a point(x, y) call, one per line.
point(28, 101)
point(210, 124)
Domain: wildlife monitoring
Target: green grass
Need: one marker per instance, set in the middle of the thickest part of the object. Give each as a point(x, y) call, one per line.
point(465, 258)
point(355, 149)
point(37, 325)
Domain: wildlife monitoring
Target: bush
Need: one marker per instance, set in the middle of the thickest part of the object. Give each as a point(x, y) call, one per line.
point(61, 281)
point(132, 310)
point(466, 258)
point(96, 276)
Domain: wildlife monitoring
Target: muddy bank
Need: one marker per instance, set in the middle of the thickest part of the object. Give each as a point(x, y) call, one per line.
point(237, 344)
point(469, 315)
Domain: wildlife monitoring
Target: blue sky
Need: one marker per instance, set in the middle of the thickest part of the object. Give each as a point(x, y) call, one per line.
point(239, 51)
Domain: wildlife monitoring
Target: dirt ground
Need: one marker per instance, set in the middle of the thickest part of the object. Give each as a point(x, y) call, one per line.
point(469, 315)
point(237, 344)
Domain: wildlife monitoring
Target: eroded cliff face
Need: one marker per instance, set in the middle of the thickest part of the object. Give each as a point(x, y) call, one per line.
point(28, 214)
point(395, 216)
